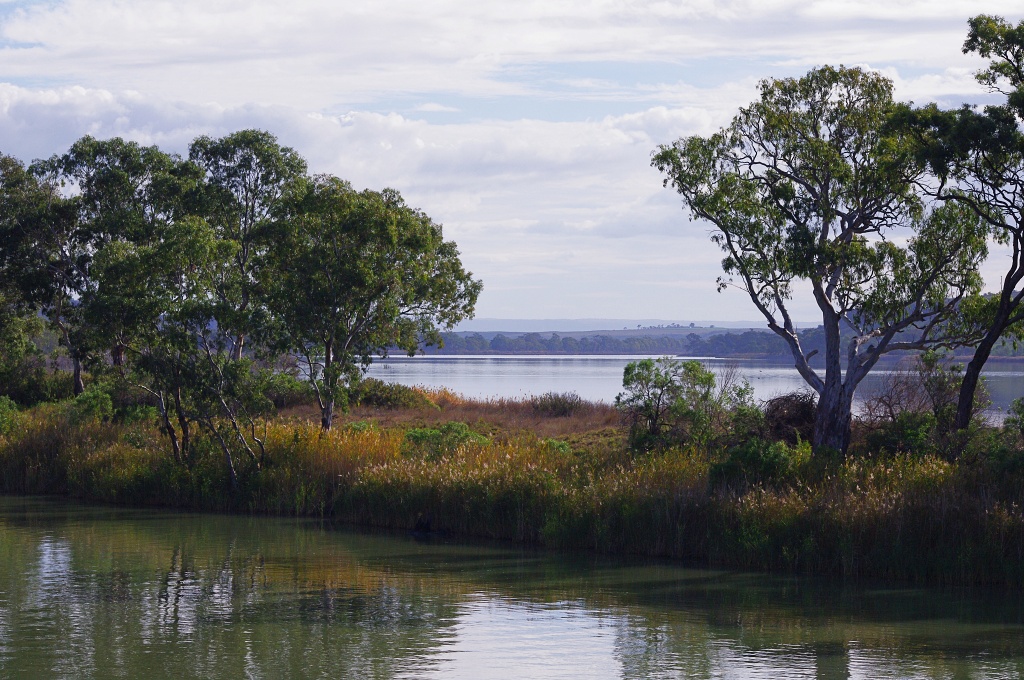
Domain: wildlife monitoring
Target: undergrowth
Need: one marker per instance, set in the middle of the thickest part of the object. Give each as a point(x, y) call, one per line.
point(908, 513)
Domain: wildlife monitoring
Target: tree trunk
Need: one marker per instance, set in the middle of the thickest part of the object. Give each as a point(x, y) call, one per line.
point(327, 414)
point(972, 377)
point(171, 434)
point(79, 385)
point(183, 425)
point(236, 348)
point(833, 418)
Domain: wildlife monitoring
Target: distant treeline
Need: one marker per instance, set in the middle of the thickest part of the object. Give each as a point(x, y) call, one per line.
point(756, 343)
point(760, 344)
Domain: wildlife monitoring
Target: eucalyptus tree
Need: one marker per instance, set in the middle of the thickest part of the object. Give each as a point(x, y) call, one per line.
point(127, 195)
point(978, 158)
point(356, 274)
point(247, 175)
point(807, 188)
point(44, 250)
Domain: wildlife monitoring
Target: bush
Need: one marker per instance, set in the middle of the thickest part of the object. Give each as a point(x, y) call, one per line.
point(30, 382)
point(285, 390)
point(557, 404)
point(910, 432)
point(434, 444)
point(790, 417)
point(93, 404)
point(8, 415)
point(668, 402)
point(759, 462)
point(380, 394)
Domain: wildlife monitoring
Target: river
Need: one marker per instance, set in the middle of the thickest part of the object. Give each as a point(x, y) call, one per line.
point(97, 592)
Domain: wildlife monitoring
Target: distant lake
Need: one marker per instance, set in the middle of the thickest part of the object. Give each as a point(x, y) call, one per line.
point(599, 378)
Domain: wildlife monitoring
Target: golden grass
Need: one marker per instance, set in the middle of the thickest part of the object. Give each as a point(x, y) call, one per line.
point(561, 481)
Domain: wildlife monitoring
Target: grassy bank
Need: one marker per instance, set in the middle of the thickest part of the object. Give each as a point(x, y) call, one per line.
point(563, 477)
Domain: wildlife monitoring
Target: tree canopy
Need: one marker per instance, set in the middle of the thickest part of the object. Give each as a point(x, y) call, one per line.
point(190, 278)
point(808, 187)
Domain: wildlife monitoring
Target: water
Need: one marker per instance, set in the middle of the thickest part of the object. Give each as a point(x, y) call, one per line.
point(88, 592)
point(599, 378)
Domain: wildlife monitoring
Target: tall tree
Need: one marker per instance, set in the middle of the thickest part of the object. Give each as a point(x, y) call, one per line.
point(978, 158)
point(44, 249)
point(806, 186)
point(357, 273)
point(126, 194)
point(247, 175)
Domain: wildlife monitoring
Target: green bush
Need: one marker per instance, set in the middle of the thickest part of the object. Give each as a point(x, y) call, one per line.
point(910, 432)
point(434, 444)
point(30, 382)
point(667, 402)
point(380, 394)
point(8, 415)
point(285, 390)
point(759, 462)
point(93, 404)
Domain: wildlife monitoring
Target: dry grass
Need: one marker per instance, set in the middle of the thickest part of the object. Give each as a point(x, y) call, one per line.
point(491, 416)
point(564, 481)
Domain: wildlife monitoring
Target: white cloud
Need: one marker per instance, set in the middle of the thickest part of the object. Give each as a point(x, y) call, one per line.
point(540, 165)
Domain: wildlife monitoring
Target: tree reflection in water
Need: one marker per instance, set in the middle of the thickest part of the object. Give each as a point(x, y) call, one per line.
point(100, 592)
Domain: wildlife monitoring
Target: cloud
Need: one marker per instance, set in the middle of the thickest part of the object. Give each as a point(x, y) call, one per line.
point(539, 167)
point(434, 107)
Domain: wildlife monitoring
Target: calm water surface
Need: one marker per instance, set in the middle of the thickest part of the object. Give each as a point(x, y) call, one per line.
point(599, 378)
point(89, 592)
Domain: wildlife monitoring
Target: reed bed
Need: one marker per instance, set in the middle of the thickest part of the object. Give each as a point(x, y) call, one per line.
point(919, 519)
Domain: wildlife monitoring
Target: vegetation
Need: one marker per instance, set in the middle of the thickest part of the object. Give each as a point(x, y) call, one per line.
point(195, 282)
point(809, 184)
point(898, 506)
point(978, 160)
point(208, 310)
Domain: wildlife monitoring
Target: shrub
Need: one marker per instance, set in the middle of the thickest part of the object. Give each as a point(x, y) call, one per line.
point(285, 390)
point(434, 444)
point(910, 432)
point(380, 394)
point(557, 404)
point(668, 402)
point(93, 404)
point(759, 462)
point(8, 415)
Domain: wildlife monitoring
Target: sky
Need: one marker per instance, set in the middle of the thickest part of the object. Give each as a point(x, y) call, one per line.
point(526, 128)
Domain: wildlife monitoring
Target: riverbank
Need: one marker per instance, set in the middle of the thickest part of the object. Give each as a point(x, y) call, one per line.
point(536, 472)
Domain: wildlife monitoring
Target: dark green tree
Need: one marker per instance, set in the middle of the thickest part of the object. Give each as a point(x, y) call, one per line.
point(44, 250)
point(978, 158)
point(247, 175)
point(807, 188)
point(357, 273)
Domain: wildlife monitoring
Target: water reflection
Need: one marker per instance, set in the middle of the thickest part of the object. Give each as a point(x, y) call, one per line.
point(99, 592)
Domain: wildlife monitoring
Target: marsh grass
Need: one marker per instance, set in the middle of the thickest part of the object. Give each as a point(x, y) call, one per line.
point(566, 482)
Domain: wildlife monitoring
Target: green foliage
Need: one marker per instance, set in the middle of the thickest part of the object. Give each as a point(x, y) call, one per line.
point(667, 402)
point(806, 184)
point(380, 394)
point(286, 390)
point(557, 404)
point(434, 444)
point(92, 405)
point(757, 461)
point(8, 415)
point(357, 273)
point(910, 432)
